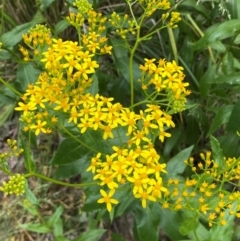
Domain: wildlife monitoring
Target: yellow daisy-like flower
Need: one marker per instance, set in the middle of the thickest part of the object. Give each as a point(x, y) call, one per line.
point(39, 127)
point(107, 199)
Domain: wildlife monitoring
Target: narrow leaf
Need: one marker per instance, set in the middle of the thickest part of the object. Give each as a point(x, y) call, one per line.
point(91, 235)
point(55, 216)
point(37, 227)
point(217, 152)
point(222, 117)
point(30, 195)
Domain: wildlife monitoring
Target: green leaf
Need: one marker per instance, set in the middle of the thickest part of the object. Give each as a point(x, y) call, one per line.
point(217, 153)
point(4, 55)
point(227, 65)
point(170, 223)
point(231, 79)
point(191, 5)
point(191, 131)
point(234, 8)
point(171, 142)
point(36, 227)
point(69, 151)
point(45, 4)
point(91, 235)
point(55, 216)
point(148, 221)
point(176, 164)
point(205, 81)
point(26, 74)
point(6, 110)
point(30, 195)
point(222, 117)
point(127, 199)
point(61, 26)
point(234, 120)
point(119, 48)
point(218, 32)
point(93, 89)
point(218, 46)
point(122, 64)
point(93, 194)
point(14, 36)
point(58, 228)
point(31, 208)
point(189, 224)
point(202, 233)
point(71, 169)
point(229, 142)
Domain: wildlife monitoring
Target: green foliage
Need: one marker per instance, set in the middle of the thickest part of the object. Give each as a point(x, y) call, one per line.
point(175, 165)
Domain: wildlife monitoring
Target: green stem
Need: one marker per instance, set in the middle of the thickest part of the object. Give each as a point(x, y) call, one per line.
point(151, 33)
point(132, 52)
point(130, 8)
point(28, 153)
point(146, 102)
point(59, 182)
point(10, 87)
point(173, 43)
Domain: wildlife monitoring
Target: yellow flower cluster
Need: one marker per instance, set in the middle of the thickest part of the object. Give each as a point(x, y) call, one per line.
point(83, 5)
point(61, 92)
point(165, 77)
point(13, 150)
point(136, 164)
point(15, 185)
point(229, 171)
point(123, 24)
point(142, 169)
point(68, 57)
point(93, 38)
point(68, 69)
point(36, 39)
point(204, 193)
point(150, 6)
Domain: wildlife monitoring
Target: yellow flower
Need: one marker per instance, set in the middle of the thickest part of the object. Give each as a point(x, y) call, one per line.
point(145, 195)
point(39, 127)
point(107, 199)
point(204, 208)
point(25, 107)
point(163, 134)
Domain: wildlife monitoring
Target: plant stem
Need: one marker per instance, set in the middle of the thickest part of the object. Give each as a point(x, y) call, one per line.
point(59, 182)
point(10, 87)
point(132, 52)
